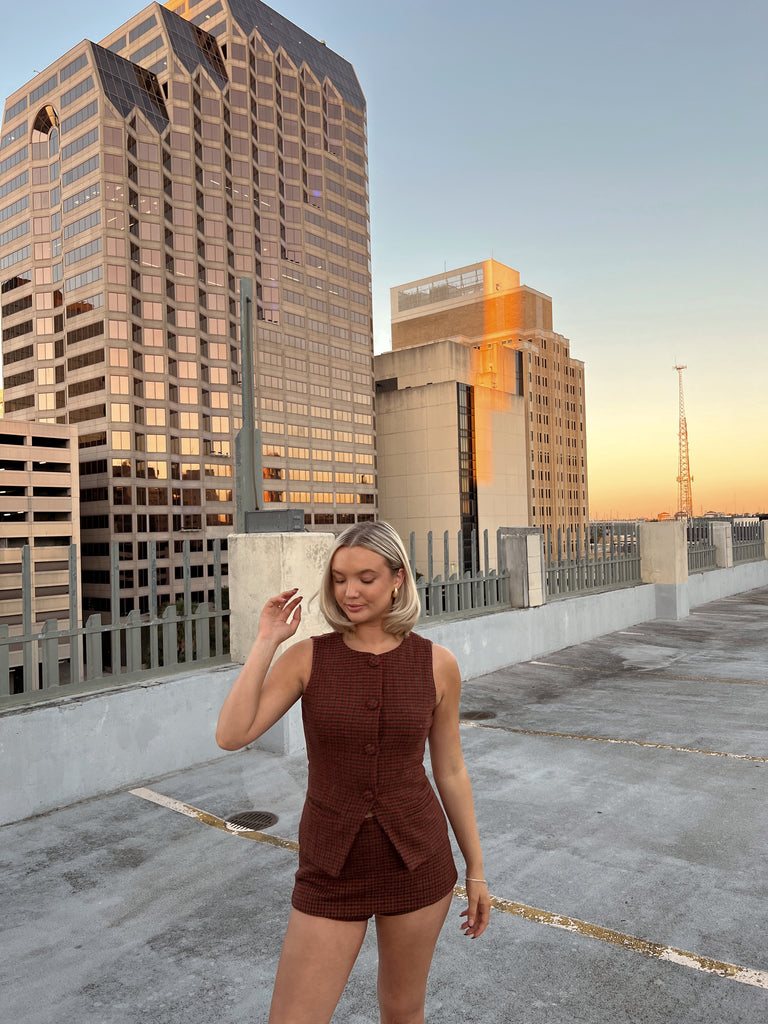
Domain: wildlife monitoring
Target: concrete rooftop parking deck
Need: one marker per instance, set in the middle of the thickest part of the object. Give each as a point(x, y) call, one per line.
point(621, 797)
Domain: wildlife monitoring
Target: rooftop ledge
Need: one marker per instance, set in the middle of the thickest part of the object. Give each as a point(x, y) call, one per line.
point(90, 742)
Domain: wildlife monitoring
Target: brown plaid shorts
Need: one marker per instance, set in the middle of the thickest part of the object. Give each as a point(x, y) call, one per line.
point(374, 880)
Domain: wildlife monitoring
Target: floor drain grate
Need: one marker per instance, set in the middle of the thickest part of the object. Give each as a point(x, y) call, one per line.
point(250, 821)
point(477, 716)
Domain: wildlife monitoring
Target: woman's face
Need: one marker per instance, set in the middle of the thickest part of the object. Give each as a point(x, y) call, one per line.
point(363, 584)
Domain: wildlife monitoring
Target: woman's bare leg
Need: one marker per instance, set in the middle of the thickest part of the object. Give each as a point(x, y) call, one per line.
point(318, 954)
point(406, 945)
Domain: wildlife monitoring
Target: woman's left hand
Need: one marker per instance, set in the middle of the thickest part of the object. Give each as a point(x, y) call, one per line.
point(478, 912)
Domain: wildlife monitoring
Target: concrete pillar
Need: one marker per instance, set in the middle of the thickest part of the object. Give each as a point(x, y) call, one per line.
point(723, 536)
point(260, 566)
point(664, 562)
point(764, 535)
point(522, 554)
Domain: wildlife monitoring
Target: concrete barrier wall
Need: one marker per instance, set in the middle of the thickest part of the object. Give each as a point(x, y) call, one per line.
point(81, 746)
point(59, 752)
point(489, 642)
point(62, 751)
point(719, 583)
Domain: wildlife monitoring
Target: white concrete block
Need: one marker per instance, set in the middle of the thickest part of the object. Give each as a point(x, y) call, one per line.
point(260, 566)
point(664, 552)
point(264, 564)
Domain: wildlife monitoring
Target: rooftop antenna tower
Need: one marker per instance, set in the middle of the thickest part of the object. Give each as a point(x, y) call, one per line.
point(684, 478)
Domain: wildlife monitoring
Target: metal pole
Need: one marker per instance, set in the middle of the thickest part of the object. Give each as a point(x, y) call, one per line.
point(246, 494)
point(75, 642)
point(30, 647)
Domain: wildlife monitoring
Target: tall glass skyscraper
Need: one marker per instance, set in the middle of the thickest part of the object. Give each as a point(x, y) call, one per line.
point(140, 179)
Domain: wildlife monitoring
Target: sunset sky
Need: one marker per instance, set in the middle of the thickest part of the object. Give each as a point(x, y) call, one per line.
point(612, 152)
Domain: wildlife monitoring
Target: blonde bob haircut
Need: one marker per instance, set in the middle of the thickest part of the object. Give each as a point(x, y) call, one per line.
point(382, 539)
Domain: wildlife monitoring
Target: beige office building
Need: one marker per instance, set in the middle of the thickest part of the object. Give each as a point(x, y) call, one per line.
point(479, 331)
point(451, 445)
point(140, 179)
point(39, 510)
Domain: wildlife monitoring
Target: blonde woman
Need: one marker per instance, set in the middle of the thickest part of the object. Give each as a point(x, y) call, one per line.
point(373, 837)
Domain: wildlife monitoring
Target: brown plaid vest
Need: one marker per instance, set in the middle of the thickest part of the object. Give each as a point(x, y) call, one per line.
point(366, 721)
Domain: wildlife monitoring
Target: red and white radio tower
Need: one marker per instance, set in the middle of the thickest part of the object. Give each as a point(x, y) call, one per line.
point(684, 478)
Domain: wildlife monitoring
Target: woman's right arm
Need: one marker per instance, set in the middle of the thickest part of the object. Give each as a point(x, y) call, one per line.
point(260, 696)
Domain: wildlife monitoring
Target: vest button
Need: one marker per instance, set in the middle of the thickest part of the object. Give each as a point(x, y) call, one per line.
point(372, 704)
point(368, 794)
point(370, 748)
point(373, 661)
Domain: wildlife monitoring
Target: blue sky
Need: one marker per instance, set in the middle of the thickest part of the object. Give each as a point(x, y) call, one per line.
point(612, 152)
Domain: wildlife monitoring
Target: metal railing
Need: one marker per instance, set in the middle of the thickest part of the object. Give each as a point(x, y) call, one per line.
point(452, 592)
point(701, 545)
point(748, 544)
point(598, 557)
point(54, 660)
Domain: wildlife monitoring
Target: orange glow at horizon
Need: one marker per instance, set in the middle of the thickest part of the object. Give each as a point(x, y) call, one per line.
point(632, 440)
point(635, 476)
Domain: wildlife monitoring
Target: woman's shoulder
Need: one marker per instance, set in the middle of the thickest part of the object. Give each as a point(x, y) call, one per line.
point(445, 673)
point(305, 657)
point(443, 659)
point(433, 656)
point(324, 648)
point(299, 653)
point(417, 640)
point(422, 642)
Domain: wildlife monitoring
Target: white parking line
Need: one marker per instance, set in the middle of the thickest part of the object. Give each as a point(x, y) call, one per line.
point(555, 664)
point(720, 968)
point(687, 637)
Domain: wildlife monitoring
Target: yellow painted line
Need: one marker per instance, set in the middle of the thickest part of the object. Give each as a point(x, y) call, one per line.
point(611, 739)
point(745, 975)
point(657, 672)
point(704, 679)
point(720, 968)
point(212, 820)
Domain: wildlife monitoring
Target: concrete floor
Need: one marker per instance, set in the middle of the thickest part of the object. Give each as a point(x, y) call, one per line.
point(621, 785)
